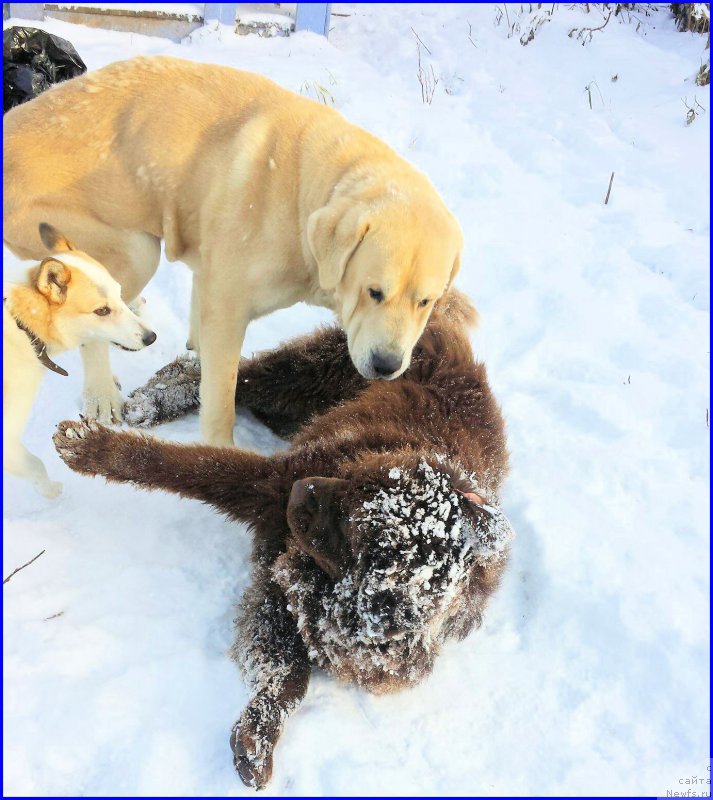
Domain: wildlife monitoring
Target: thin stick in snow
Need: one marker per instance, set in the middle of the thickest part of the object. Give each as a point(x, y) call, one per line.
point(428, 82)
point(611, 180)
point(470, 36)
point(420, 40)
point(22, 567)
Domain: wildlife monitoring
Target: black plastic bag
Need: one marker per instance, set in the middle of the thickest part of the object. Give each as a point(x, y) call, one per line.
point(33, 60)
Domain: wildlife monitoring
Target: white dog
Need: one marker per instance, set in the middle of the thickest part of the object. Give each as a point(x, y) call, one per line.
point(69, 300)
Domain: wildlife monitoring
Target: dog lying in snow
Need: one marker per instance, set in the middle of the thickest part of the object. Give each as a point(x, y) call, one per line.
point(377, 535)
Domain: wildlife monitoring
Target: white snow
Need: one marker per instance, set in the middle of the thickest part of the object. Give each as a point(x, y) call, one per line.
point(591, 672)
point(182, 9)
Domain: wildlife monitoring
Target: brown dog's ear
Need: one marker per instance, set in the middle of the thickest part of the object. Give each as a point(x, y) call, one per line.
point(53, 240)
point(316, 519)
point(456, 306)
point(455, 269)
point(334, 232)
point(52, 280)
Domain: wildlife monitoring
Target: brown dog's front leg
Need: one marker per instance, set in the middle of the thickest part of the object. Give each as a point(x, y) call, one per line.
point(275, 662)
point(232, 480)
point(171, 393)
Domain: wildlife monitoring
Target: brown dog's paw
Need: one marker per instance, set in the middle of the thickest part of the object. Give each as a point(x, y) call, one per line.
point(252, 755)
point(76, 440)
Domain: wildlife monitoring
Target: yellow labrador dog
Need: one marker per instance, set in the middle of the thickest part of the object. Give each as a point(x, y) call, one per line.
point(269, 197)
point(68, 299)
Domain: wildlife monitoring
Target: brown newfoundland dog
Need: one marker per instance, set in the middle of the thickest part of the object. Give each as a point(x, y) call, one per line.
point(377, 535)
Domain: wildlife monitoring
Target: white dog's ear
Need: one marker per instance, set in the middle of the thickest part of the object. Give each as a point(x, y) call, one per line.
point(53, 240)
point(334, 232)
point(52, 280)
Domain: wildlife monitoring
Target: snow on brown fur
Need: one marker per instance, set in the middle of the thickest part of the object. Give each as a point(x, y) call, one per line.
point(376, 537)
point(420, 546)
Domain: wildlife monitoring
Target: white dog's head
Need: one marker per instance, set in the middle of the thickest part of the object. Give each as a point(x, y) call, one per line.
point(386, 263)
point(84, 300)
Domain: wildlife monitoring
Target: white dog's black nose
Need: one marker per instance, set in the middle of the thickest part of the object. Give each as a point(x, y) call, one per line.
point(148, 338)
point(385, 364)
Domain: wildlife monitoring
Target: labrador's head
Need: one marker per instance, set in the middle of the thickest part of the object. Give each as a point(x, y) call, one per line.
point(386, 265)
point(385, 566)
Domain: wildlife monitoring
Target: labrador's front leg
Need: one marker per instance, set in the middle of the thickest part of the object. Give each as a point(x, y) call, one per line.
point(274, 659)
point(223, 321)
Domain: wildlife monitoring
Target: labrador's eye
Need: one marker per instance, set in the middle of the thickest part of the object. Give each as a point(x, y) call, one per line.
point(376, 295)
point(103, 311)
point(424, 303)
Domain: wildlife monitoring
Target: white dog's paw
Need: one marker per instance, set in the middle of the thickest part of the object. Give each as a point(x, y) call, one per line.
point(50, 489)
point(105, 407)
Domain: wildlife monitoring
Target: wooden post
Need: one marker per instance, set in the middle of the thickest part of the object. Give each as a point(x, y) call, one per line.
point(27, 10)
point(313, 17)
point(220, 12)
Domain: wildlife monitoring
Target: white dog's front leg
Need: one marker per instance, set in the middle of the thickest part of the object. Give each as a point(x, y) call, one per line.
point(102, 398)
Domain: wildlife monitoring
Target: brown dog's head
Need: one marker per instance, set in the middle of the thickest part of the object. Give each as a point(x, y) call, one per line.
point(382, 568)
point(386, 264)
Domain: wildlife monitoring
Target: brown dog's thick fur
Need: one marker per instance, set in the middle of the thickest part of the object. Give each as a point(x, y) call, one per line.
point(377, 536)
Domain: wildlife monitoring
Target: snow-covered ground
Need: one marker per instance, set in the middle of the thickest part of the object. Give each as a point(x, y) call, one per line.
point(590, 675)
point(193, 9)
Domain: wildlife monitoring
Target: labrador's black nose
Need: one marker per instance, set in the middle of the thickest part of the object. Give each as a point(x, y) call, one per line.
point(148, 338)
point(385, 364)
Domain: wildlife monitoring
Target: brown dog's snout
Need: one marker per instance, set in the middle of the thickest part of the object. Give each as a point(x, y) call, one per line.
point(394, 612)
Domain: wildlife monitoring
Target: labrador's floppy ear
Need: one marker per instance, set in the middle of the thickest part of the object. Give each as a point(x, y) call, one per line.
point(334, 232)
point(53, 240)
point(315, 517)
point(52, 280)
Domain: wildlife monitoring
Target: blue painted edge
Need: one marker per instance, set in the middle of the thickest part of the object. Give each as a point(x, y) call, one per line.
point(220, 12)
point(313, 17)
